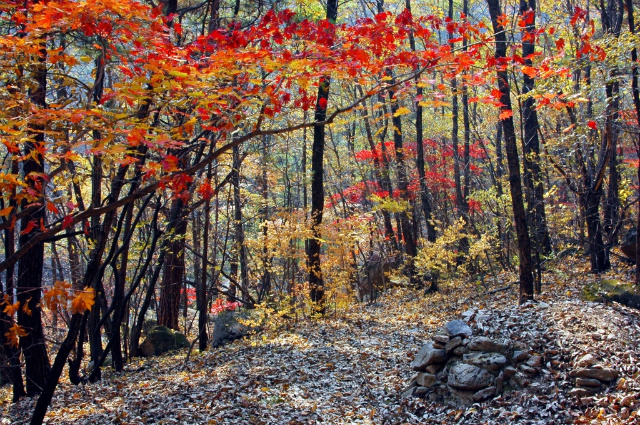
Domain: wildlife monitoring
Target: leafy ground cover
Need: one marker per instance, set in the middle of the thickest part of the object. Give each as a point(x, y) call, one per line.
point(353, 368)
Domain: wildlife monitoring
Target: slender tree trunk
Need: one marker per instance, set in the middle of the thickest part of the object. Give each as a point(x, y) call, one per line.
point(636, 103)
point(316, 282)
point(424, 190)
point(531, 146)
point(513, 163)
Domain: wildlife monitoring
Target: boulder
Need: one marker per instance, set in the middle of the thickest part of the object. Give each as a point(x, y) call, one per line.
point(162, 339)
point(468, 377)
point(489, 361)
point(484, 394)
point(458, 328)
point(588, 382)
point(608, 290)
point(228, 327)
point(428, 355)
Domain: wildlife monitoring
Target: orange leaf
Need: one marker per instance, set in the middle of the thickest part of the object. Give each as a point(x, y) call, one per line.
point(83, 301)
point(5, 211)
point(507, 113)
point(29, 228)
point(25, 307)
point(51, 207)
point(14, 332)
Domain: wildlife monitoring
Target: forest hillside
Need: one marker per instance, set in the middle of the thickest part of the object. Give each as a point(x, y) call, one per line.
point(339, 210)
point(354, 368)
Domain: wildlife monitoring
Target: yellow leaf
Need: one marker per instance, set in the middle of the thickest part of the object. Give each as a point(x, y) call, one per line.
point(402, 111)
point(83, 301)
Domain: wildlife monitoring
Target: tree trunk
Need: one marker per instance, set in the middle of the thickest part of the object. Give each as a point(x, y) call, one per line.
point(173, 273)
point(513, 163)
point(29, 289)
point(316, 282)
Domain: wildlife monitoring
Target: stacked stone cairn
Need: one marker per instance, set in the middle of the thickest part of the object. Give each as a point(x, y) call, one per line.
point(462, 368)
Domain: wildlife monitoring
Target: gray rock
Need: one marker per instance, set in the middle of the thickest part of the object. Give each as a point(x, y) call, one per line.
point(460, 351)
point(441, 338)
point(426, 379)
point(588, 382)
point(438, 345)
point(458, 328)
point(520, 356)
point(452, 344)
point(420, 391)
point(434, 368)
point(534, 361)
point(428, 355)
point(482, 343)
point(162, 339)
point(490, 361)
point(509, 372)
point(468, 377)
point(528, 369)
point(484, 394)
point(605, 374)
point(586, 360)
point(228, 327)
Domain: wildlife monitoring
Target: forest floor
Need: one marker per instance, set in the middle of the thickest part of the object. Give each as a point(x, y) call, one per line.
point(352, 368)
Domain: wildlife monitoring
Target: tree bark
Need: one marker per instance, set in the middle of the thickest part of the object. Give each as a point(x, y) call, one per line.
point(316, 282)
point(513, 163)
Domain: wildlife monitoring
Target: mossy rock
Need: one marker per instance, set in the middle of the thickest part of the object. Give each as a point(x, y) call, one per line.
point(162, 339)
point(608, 290)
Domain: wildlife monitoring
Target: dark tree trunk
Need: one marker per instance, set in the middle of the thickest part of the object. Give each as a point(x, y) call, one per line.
point(531, 146)
point(612, 18)
point(29, 288)
point(316, 283)
point(241, 250)
point(173, 273)
point(513, 163)
point(424, 190)
point(636, 103)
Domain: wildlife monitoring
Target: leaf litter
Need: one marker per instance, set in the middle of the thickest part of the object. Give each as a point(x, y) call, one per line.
point(351, 369)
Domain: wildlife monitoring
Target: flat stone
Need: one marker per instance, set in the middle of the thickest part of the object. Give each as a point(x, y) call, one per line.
point(586, 360)
point(482, 343)
point(408, 392)
point(605, 374)
point(509, 372)
point(534, 361)
point(460, 351)
point(484, 394)
point(489, 361)
point(588, 382)
point(452, 344)
point(428, 355)
point(434, 368)
point(438, 345)
point(520, 356)
point(458, 328)
point(441, 338)
point(426, 379)
point(468, 377)
point(528, 369)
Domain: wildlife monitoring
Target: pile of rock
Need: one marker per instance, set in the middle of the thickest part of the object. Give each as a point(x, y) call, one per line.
point(590, 376)
point(464, 368)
